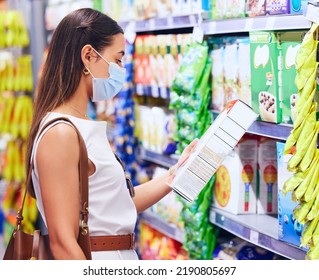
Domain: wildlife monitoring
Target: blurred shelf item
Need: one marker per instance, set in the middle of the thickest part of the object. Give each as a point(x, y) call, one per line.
point(162, 226)
point(163, 160)
point(211, 27)
point(261, 230)
point(153, 91)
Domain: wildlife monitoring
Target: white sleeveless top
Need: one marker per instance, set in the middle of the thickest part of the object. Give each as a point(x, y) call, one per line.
point(111, 209)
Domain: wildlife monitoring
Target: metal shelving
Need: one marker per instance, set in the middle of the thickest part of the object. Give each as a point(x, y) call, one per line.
point(271, 130)
point(280, 22)
point(261, 230)
point(163, 160)
point(159, 224)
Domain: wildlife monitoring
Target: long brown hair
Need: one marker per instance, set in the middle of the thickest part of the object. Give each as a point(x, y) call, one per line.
point(63, 67)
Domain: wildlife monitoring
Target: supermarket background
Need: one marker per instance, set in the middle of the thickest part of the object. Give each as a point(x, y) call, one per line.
point(263, 202)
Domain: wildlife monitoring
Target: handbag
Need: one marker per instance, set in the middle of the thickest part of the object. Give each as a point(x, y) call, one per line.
point(24, 246)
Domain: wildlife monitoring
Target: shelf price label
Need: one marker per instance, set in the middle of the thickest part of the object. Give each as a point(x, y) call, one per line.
point(254, 236)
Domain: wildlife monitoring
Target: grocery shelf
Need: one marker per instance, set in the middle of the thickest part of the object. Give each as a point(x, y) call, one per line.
point(280, 22)
point(210, 27)
point(261, 230)
point(160, 159)
point(271, 130)
point(153, 91)
point(159, 224)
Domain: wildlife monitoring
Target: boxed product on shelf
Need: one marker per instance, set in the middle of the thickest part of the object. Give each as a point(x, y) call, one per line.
point(297, 6)
point(234, 8)
point(289, 229)
point(277, 7)
point(267, 202)
point(216, 143)
point(255, 8)
point(218, 9)
point(290, 44)
point(264, 48)
point(235, 187)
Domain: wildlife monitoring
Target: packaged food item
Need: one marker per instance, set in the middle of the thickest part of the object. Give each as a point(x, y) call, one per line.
point(290, 44)
point(218, 97)
point(235, 188)
point(267, 202)
point(297, 6)
point(277, 7)
point(264, 52)
point(255, 8)
point(218, 9)
point(234, 8)
point(289, 229)
point(217, 142)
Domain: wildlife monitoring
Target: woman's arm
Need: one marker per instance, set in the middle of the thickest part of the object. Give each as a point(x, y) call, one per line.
point(57, 161)
point(151, 192)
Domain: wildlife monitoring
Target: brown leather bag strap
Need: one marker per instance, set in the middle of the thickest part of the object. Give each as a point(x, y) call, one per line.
point(83, 176)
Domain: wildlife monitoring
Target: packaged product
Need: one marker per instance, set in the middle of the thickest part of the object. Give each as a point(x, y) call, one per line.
point(163, 8)
point(218, 97)
point(267, 202)
point(289, 229)
point(255, 8)
point(216, 143)
point(231, 71)
point(277, 7)
point(297, 6)
point(144, 9)
point(218, 9)
point(264, 52)
point(290, 44)
point(234, 8)
point(244, 76)
point(235, 188)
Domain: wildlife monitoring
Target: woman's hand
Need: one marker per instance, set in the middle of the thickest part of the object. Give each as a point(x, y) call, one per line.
point(182, 160)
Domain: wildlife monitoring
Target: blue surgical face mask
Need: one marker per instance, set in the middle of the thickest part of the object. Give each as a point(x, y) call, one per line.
point(107, 88)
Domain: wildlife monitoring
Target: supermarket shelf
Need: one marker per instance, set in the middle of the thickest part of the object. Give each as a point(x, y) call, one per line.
point(279, 22)
point(272, 130)
point(261, 230)
point(163, 160)
point(282, 22)
point(159, 224)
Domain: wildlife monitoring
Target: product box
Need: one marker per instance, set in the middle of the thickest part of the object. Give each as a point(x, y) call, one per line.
point(255, 8)
point(244, 76)
point(234, 8)
point(277, 7)
point(267, 202)
point(264, 56)
point(290, 44)
point(289, 230)
point(297, 6)
point(218, 9)
point(216, 143)
point(235, 187)
point(218, 95)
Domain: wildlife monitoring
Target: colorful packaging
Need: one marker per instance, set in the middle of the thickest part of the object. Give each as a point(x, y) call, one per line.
point(267, 202)
point(255, 8)
point(218, 9)
point(218, 96)
point(289, 229)
point(264, 53)
point(235, 188)
point(244, 76)
point(297, 6)
point(234, 8)
point(277, 7)
point(290, 44)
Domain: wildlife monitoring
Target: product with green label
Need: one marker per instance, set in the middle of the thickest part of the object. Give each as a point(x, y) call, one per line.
point(264, 48)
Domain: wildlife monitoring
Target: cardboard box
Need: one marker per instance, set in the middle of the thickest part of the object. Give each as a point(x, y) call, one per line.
point(216, 143)
point(267, 202)
point(264, 53)
point(297, 6)
point(289, 230)
point(235, 188)
point(255, 8)
point(277, 7)
point(290, 44)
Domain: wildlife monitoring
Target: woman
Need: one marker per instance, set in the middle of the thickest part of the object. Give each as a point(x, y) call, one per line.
point(84, 61)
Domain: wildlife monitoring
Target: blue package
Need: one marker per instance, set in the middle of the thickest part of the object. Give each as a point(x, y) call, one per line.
point(297, 6)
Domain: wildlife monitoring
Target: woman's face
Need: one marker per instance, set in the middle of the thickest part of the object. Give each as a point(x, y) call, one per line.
point(113, 53)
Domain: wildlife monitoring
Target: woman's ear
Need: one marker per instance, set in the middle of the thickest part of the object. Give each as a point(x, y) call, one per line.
point(86, 55)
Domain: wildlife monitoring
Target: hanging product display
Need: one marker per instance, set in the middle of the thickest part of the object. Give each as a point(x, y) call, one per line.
point(16, 111)
point(302, 145)
point(190, 98)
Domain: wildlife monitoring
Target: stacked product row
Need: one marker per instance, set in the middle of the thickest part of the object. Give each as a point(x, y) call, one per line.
point(16, 110)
